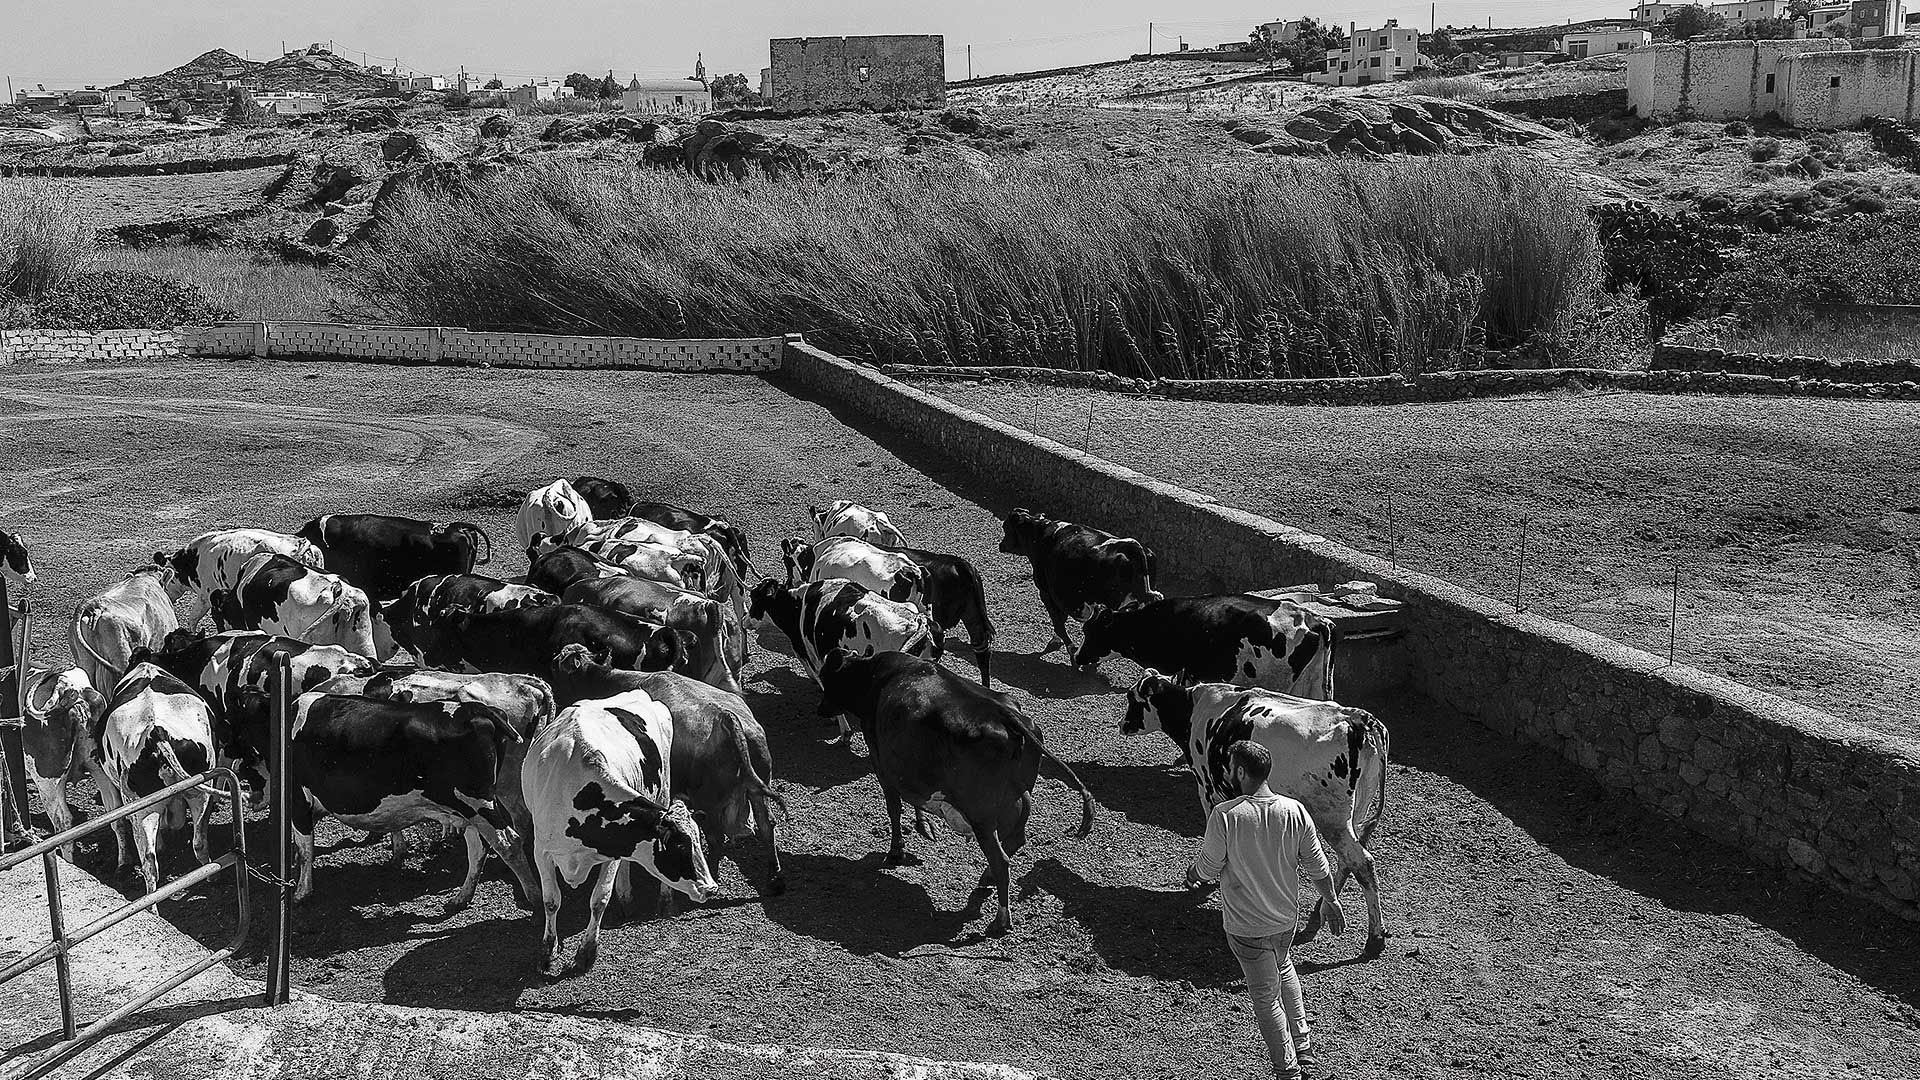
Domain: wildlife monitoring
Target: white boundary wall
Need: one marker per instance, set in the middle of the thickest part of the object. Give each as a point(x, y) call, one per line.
point(452, 345)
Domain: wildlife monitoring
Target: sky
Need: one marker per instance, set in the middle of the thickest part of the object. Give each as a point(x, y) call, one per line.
point(62, 43)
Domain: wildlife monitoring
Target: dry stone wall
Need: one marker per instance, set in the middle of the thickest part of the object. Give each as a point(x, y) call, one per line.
point(1794, 788)
point(1689, 358)
point(65, 346)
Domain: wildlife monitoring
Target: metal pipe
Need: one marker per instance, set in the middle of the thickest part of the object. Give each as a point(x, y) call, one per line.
point(121, 914)
point(57, 921)
point(108, 817)
point(279, 984)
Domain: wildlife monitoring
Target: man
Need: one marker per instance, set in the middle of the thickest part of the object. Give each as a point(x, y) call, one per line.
point(1252, 847)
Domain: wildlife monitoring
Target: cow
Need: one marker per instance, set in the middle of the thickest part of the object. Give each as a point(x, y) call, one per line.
point(155, 732)
point(382, 765)
point(607, 499)
point(211, 562)
point(956, 596)
point(16, 565)
point(137, 613)
point(525, 702)
point(599, 783)
point(381, 555)
point(233, 671)
point(731, 538)
point(61, 707)
point(721, 765)
point(1249, 641)
point(549, 511)
point(1078, 569)
point(671, 563)
point(412, 616)
point(710, 630)
point(950, 746)
point(820, 616)
point(847, 518)
point(525, 641)
point(555, 568)
point(281, 596)
point(888, 573)
point(1330, 757)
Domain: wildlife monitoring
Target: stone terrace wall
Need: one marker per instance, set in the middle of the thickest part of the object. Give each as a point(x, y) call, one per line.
point(1792, 787)
point(450, 345)
point(23, 346)
point(1689, 358)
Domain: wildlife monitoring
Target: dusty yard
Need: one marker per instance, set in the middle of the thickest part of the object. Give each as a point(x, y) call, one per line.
point(1793, 523)
point(1541, 928)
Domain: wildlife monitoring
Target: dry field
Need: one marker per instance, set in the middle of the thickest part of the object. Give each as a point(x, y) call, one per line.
point(1794, 523)
point(108, 202)
point(1540, 927)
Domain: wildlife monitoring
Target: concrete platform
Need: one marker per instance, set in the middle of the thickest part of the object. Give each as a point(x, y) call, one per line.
point(215, 1026)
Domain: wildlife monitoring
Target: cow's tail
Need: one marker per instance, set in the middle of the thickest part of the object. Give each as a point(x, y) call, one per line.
point(80, 638)
point(1086, 797)
point(480, 538)
point(762, 786)
point(1378, 729)
point(179, 772)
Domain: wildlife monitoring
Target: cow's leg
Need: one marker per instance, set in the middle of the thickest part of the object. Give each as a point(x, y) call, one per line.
point(997, 875)
point(122, 831)
point(513, 852)
point(53, 797)
point(300, 811)
point(146, 840)
point(897, 850)
point(476, 850)
point(763, 826)
point(549, 911)
point(199, 807)
point(1059, 618)
point(602, 895)
point(397, 846)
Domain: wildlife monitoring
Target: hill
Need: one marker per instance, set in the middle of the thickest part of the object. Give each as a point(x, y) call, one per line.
point(313, 70)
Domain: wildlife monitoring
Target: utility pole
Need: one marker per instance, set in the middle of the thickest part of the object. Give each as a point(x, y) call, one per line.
point(1433, 17)
point(969, 68)
point(1149, 39)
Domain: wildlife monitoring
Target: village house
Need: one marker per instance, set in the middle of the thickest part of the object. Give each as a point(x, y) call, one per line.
point(291, 103)
point(1858, 19)
point(1602, 41)
point(1519, 58)
point(1373, 56)
point(41, 100)
point(125, 105)
point(1283, 31)
point(666, 97)
point(537, 91)
point(1815, 83)
point(1735, 12)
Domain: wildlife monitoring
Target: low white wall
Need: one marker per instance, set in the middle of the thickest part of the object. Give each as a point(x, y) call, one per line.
point(68, 346)
point(452, 345)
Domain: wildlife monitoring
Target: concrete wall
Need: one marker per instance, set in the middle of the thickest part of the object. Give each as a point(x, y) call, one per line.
point(450, 345)
point(22, 346)
point(903, 71)
point(1792, 787)
point(1840, 89)
point(1712, 80)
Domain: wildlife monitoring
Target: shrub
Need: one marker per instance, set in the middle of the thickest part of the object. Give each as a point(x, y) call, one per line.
point(1860, 259)
point(1301, 267)
point(1450, 87)
point(42, 241)
point(120, 300)
point(1669, 259)
point(1764, 149)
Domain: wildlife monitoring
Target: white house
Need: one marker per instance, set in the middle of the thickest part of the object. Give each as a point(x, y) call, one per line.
point(125, 104)
point(538, 91)
point(1283, 31)
point(291, 103)
point(1599, 42)
point(1736, 12)
point(666, 97)
point(1373, 56)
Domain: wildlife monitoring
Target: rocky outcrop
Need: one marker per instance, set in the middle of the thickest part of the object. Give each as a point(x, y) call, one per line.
point(1374, 127)
point(718, 150)
point(592, 128)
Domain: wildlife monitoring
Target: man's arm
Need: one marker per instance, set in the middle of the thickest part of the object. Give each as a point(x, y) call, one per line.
point(1211, 860)
point(1313, 860)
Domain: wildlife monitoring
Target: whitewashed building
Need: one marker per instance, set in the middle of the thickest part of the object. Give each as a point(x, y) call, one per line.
point(666, 97)
point(1373, 56)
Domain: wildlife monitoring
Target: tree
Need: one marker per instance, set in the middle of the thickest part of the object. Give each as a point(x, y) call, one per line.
point(585, 86)
point(1440, 46)
point(1308, 49)
point(1766, 30)
point(607, 88)
point(494, 84)
point(1691, 21)
point(1264, 43)
point(732, 89)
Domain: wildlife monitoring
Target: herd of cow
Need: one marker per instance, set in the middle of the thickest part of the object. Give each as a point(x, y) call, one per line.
point(590, 716)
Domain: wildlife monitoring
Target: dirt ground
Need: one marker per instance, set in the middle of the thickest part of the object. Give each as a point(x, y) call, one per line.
point(1794, 523)
point(1540, 927)
point(112, 201)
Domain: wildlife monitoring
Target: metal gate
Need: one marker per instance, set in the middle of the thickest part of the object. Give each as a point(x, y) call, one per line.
point(13, 822)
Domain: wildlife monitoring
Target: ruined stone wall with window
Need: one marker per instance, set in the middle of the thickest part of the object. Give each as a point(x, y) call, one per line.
point(898, 71)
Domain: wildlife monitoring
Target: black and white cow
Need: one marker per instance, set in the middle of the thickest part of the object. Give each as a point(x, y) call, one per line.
point(640, 556)
point(212, 561)
point(722, 767)
point(821, 616)
point(412, 617)
point(599, 783)
point(888, 573)
point(731, 538)
point(280, 596)
point(381, 554)
point(550, 511)
point(956, 596)
point(1330, 757)
point(845, 517)
point(16, 565)
point(952, 747)
point(135, 614)
point(709, 629)
point(607, 499)
point(381, 766)
point(1249, 641)
point(526, 640)
point(555, 568)
point(155, 732)
point(1078, 569)
point(61, 709)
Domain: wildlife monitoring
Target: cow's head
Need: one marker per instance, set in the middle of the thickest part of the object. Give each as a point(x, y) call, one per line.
point(576, 659)
point(1159, 703)
point(1099, 637)
point(15, 564)
point(1023, 528)
point(844, 679)
point(225, 608)
point(820, 517)
point(734, 539)
point(798, 555)
point(909, 587)
point(398, 615)
point(680, 854)
point(664, 651)
point(61, 705)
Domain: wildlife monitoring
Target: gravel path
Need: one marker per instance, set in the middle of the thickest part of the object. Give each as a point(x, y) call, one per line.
point(1541, 927)
point(1793, 523)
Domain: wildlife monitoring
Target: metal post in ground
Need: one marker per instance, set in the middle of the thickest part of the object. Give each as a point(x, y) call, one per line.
point(278, 982)
point(57, 922)
point(1673, 617)
point(1086, 440)
point(13, 757)
point(1392, 548)
point(1520, 571)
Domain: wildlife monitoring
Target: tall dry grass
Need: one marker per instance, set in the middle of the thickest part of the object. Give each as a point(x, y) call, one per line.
point(42, 241)
point(250, 285)
point(1298, 268)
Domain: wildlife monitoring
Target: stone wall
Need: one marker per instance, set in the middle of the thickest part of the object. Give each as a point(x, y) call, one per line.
point(1688, 358)
point(1713, 80)
point(893, 71)
point(57, 346)
point(1838, 90)
point(1678, 378)
point(1792, 787)
point(451, 345)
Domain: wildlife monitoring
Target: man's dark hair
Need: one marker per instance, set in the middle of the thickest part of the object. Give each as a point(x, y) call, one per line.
point(1251, 756)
